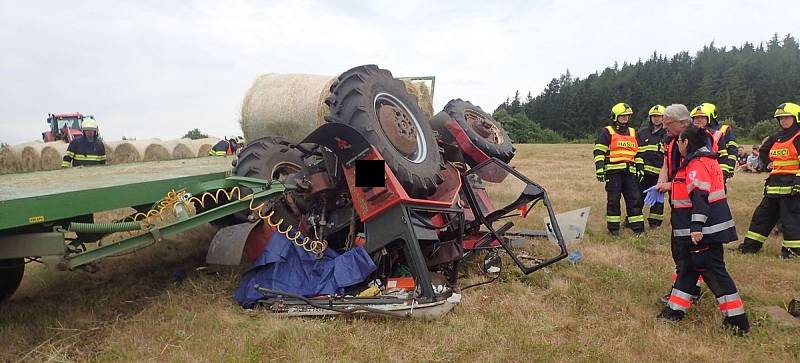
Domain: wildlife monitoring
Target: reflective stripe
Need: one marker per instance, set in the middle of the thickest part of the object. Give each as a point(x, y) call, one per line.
point(715, 196)
point(614, 219)
point(648, 148)
point(681, 203)
point(679, 300)
point(723, 153)
point(702, 218)
point(791, 243)
point(756, 237)
point(599, 171)
point(731, 305)
point(656, 216)
point(599, 158)
point(89, 157)
point(635, 219)
point(779, 190)
point(216, 153)
point(685, 232)
point(732, 143)
point(639, 160)
point(616, 166)
point(697, 183)
point(786, 163)
point(733, 157)
point(601, 147)
point(652, 169)
point(70, 154)
point(725, 167)
point(65, 164)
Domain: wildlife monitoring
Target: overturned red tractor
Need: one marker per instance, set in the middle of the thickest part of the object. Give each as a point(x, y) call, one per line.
point(404, 202)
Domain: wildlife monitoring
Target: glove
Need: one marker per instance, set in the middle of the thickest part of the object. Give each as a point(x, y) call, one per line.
point(640, 172)
point(795, 190)
point(601, 175)
point(653, 196)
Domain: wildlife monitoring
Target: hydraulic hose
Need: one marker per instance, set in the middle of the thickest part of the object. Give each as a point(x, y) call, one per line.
point(104, 227)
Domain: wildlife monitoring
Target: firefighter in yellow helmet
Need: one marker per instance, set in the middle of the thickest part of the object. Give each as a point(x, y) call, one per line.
point(615, 164)
point(651, 156)
point(87, 149)
point(781, 200)
point(721, 138)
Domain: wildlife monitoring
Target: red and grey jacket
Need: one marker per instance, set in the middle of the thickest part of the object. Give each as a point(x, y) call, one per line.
point(699, 187)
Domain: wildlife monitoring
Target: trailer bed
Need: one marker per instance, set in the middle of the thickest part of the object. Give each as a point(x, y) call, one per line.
point(37, 197)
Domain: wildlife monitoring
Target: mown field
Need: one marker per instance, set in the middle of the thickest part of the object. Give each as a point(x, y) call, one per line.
point(154, 305)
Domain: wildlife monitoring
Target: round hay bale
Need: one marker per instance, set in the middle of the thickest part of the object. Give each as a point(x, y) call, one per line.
point(287, 105)
point(200, 147)
point(126, 152)
point(109, 152)
point(422, 93)
point(9, 160)
point(293, 105)
point(156, 152)
point(178, 149)
point(52, 155)
point(30, 155)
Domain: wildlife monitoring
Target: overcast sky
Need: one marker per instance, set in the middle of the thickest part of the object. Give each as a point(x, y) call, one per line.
point(160, 68)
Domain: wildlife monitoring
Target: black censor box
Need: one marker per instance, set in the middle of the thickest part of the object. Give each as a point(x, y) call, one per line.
point(370, 173)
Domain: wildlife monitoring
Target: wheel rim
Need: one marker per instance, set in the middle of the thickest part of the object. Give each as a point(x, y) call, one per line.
point(484, 127)
point(283, 170)
point(400, 127)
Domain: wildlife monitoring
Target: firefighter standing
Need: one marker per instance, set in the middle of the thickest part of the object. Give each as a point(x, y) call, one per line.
point(87, 149)
point(651, 156)
point(781, 200)
point(225, 147)
point(723, 142)
point(701, 225)
point(615, 164)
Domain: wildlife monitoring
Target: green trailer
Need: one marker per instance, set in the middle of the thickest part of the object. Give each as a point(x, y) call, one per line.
point(48, 217)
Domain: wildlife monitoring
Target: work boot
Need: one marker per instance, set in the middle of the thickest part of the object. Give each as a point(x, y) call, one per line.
point(790, 252)
point(670, 315)
point(750, 246)
point(739, 324)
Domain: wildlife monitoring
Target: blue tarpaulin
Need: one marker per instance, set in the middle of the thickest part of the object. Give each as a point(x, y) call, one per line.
point(286, 267)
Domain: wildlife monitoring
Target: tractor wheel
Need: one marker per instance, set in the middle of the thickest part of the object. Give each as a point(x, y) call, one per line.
point(269, 158)
point(11, 272)
point(482, 129)
point(377, 105)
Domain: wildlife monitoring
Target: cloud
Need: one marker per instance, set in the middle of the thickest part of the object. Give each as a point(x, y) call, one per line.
point(160, 68)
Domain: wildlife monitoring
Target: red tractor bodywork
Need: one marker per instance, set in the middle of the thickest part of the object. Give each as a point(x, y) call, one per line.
point(64, 126)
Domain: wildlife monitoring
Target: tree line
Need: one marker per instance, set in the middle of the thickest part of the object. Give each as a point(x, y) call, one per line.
point(746, 83)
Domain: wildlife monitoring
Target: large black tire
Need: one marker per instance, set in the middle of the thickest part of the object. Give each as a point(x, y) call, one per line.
point(377, 105)
point(482, 129)
point(11, 271)
point(269, 158)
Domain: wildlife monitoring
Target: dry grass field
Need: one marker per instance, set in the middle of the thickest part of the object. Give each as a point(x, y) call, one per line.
point(601, 309)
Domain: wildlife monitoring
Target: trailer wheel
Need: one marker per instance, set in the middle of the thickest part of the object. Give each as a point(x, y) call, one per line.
point(11, 271)
point(373, 102)
point(482, 129)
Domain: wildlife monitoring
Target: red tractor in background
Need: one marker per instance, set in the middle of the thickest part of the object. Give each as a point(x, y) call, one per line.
point(64, 126)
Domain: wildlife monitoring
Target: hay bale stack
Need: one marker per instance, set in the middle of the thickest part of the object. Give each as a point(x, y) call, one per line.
point(156, 152)
point(287, 105)
point(133, 151)
point(200, 147)
point(9, 160)
point(52, 155)
point(30, 155)
point(422, 93)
